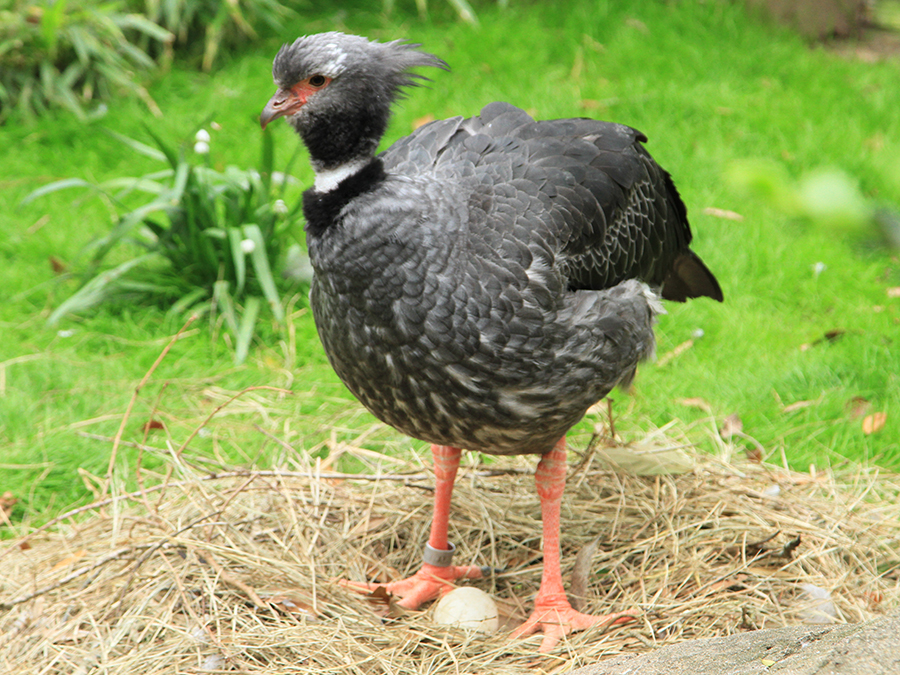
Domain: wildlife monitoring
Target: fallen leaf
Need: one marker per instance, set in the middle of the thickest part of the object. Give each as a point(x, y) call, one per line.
point(754, 454)
point(422, 121)
point(293, 605)
point(379, 596)
point(731, 426)
point(695, 403)
point(857, 406)
point(578, 586)
point(7, 501)
point(57, 265)
point(722, 213)
point(735, 583)
point(154, 424)
point(25, 546)
point(893, 292)
point(70, 559)
point(767, 662)
point(592, 104)
point(829, 336)
point(874, 423)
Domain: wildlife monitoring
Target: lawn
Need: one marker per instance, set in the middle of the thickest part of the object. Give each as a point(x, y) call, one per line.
point(711, 87)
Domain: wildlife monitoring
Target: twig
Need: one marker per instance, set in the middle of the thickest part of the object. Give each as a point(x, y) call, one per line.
point(155, 547)
point(232, 581)
point(74, 575)
point(137, 390)
point(214, 412)
point(273, 473)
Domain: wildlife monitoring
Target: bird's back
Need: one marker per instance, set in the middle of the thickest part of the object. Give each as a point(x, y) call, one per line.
point(585, 188)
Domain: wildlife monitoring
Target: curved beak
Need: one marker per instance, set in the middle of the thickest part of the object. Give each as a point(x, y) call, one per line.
point(284, 102)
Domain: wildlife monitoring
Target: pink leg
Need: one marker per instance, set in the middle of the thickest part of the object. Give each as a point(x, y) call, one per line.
point(552, 612)
point(431, 581)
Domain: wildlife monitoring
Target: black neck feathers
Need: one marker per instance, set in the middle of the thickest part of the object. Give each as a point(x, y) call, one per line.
point(321, 209)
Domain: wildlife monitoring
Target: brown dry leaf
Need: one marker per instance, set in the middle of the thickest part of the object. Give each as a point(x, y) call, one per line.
point(874, 423)
point(578, 588)
point(153, 425)
point(722, 213)
point(291, 604)
point(893, 292)
point(695, 403)
point(25, 545)
point(591, 104)
point(57, 265)
point(754, 454)
point(70, 559)
point(731, 426)
point(422, 121)
point(735, 583)
point(7, 501)
point(829, 336)
point(857, 406)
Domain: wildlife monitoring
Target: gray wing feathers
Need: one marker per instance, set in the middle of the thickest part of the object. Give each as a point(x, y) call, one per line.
point(610, 208)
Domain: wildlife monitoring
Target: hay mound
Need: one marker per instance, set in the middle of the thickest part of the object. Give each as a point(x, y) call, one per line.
point(233, 572)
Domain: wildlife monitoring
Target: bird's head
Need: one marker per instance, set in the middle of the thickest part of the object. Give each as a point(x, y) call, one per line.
point(336, 77)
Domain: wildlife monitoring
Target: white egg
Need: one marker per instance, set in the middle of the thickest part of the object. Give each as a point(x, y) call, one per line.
point(469, 608)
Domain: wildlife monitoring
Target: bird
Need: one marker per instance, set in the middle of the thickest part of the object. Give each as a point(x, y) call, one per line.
point(483, 281)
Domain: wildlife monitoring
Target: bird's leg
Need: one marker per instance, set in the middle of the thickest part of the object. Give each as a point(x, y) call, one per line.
point(437, 574)
point(552, 612)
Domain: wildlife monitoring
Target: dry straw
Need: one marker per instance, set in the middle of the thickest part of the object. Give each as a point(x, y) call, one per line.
point(233, 572)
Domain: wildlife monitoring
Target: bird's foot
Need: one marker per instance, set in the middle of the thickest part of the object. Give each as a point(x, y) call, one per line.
point(428, 583)
point(556, 618)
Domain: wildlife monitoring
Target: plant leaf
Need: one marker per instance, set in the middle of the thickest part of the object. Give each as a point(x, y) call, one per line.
point(95, 290)
point(245, 331)
point(56, 186)
point(260, 261)
point(137, 146)
point(237, 256)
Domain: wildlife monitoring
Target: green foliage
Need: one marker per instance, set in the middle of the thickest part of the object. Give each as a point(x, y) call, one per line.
point(206, 241)
point(216, 24)
point(69, 53)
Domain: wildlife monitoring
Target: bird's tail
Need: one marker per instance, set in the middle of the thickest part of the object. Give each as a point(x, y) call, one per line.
point(690, 278)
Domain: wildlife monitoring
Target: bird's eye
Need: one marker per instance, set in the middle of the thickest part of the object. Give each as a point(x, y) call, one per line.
point(318, 81)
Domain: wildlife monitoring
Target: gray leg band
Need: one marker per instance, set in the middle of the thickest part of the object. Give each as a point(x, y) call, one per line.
point(438, 558)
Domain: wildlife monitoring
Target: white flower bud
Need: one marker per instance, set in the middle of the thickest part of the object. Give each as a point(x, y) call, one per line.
point(279, 207)
point(202, 136)
point(248, 246)
point(201, 147)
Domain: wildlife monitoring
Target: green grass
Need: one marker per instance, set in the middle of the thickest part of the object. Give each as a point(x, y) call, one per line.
point(709, 86)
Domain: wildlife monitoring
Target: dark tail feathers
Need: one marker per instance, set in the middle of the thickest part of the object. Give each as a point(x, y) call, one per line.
point(690, 278)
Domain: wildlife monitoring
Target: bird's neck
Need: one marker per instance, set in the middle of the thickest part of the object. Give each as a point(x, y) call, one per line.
point(341, 143)
point(322, 209)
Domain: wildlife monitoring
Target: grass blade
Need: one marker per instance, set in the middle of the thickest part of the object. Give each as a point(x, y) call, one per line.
point(245, 331)
point(263, 272)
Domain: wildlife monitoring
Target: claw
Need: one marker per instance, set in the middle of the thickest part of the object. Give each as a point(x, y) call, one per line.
point(558, 621)
point(428, 583)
